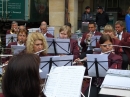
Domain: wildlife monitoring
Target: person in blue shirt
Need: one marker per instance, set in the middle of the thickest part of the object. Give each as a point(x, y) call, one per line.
point(127, 20)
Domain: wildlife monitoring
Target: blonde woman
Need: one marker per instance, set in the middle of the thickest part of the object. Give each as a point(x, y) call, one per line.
point(64, 33)
point(36, 42)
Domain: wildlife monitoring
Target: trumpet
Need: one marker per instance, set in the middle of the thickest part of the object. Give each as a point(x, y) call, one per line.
point(13, 31)
point(88, 39)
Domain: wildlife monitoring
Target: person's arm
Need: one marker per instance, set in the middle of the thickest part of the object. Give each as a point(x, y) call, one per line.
point(75, 50)
point(125, 42)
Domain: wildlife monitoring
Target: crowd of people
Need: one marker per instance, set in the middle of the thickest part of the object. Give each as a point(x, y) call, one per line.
point(21, 78)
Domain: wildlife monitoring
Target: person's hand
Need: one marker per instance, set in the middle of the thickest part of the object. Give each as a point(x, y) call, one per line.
point(78, 61)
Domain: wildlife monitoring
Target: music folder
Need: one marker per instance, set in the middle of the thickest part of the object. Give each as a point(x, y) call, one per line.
point(94, 40)
point(64, 81)
point(11, 38)
point(102, 64)
point(48, 61)
point(17, 49)
point(117, 83)
point(58, 46)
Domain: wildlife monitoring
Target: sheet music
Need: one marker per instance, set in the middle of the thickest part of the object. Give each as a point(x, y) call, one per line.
point(94, 39)
point(44, 66)
point(62, 46)
point(119, 72)
point(116, 82)
point(65, 60)
point(65, 81)
point(102, 66)
point(56, 61)
point(17, 49)
point(11, 38)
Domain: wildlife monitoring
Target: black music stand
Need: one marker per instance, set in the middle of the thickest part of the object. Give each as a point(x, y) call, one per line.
point(17, 49)
point(96, 67)
point(94, 40)
point(49, 61)
point(58, 46)
point(11, 38)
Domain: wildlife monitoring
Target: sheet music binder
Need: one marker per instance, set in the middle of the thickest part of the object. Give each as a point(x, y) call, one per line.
point(116, 82)
point(97, 67)
point(17, 49)
point(64, 81)
point(11, 38)
point(58, 46)
point(49, 61)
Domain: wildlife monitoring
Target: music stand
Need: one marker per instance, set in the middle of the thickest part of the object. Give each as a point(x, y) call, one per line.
point(58, 46)
point(94, 40)
point(17, 49)
point(96, 67)
point(49, 61)
point(11, 38)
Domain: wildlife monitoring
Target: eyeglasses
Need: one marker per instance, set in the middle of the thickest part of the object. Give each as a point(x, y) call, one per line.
point(105, 45)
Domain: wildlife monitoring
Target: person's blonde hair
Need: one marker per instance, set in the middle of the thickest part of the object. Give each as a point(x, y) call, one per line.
point(109, 28)
point(32, 37)
point(67, 29)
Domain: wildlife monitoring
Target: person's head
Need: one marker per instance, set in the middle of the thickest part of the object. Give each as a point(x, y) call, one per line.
point(68, 24)
point(105, 43)
point(87, 9)
point(92, 26)
point(36, 42)
point(119, 26)
point(65, 32)
point(21, 78)
point(43, 23)
point(99, 9)
point(43, 29)
point(14, 25)
point(22, 27)
point(22, 36)
point(128, 11)
point(108, 29)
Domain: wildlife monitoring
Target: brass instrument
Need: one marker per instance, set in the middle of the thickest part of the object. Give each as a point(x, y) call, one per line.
point(89, 38)
point(14, 31)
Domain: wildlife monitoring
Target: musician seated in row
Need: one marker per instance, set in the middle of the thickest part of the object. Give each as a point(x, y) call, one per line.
point(21, 40)
point(22, 27)
point(65, 33)
point(21, 78)
point(35, 43)
point(114, 61)
point(109, 30)
point(124, 38)
point(14, 28)
point(43, 30)
point(87, 36)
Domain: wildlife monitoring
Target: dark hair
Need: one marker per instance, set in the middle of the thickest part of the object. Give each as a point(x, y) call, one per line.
point(92, 22)
point(21, 78)
point(87, 7)
point(104, 38)
point(68, 24)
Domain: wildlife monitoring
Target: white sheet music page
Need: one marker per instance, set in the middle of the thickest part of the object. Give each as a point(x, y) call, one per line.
point(116, 82)
point(65, 81)
point(119, 72)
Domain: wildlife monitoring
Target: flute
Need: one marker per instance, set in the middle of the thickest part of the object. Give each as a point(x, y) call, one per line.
point(39, 51)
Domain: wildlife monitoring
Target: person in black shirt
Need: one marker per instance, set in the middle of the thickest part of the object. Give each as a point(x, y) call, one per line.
point(87, 15)
point(101, 18)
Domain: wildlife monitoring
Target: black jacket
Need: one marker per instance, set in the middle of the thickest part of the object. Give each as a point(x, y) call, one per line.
point(102, 19)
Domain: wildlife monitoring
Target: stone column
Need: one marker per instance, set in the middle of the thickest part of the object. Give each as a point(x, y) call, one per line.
point(56, 14)
point(73, 10)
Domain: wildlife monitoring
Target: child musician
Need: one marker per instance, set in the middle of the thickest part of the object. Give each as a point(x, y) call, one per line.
point(114, 61)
